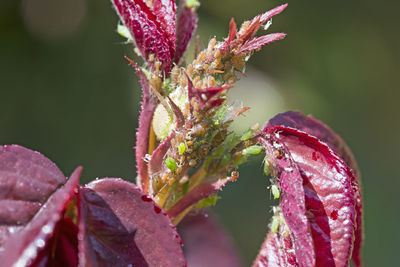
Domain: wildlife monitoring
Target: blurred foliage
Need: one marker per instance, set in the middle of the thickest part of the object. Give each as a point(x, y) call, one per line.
point(72, 96)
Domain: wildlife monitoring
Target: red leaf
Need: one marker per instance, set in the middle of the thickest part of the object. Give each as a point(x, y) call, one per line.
point(149, 35)
point(259, 20)
point(318, 129)
point(206, 243)
point(165, 10)
point(120, 225)
point(27, 179)
point(329, 196)
point(206, 97)
point(293, 201)
point(62, 249)
point(24, 248)
point(232, 31)
point(201, 191)
point(187, 23)
point(276, 251)
point(142, 135)
point(258, 42)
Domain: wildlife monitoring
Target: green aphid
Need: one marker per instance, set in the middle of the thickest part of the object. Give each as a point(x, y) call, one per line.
point(266, 168)
point(252, 150)
point(181, 148)
point(124, 32)
point(275, 191)
point(275, 224)
point(171, 164)
point(247, 135)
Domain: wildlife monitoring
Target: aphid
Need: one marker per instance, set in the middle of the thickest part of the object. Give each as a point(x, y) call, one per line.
point(266, 167)
point(252, 150)
point(171, 164)
point(275, 191)
point(181, 148)
point(275, 224)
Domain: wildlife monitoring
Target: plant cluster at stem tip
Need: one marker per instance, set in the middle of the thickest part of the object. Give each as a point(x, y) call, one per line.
point(185, 154)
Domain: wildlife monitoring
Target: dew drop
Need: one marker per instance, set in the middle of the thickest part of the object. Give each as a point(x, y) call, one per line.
point(46, 229)
point(334, 215)
point(39, 243)
point(157, 209)
point(146, 198)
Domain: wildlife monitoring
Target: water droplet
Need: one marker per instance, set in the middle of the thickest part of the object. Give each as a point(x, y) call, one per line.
point(334, 215)
point(157, 209)
point(39, 243)
point(146, 198)
point(46, 229)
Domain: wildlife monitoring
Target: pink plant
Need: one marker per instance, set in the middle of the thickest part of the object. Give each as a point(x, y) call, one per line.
point(185, 154)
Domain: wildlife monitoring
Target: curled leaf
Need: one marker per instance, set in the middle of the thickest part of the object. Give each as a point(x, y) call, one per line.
point(120, 225)
point(148, 106)
point(26, 246)
point(323, 132)
point(144, 25)
point(328, 193)
point(165, 12)
point(27, 180)
point(187, 23)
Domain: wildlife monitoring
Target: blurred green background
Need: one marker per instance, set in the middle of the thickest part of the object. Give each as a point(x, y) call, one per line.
point(66, 91)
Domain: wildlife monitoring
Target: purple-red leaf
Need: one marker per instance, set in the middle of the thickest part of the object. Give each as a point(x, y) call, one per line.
point(203, 190)
point(276, 251)
point(329, 196)
point(318, 129)
point(62, 249)
point(121, 226)
point(24, 248)
point(206, 243)
point(142, 136)
point(207, 97)
point(293, 202)
point(187, 23)
point(323, 132)
point(150, 37)
point(255, 24)
point(27, 179)
point(165, 11)
point(258, 42)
